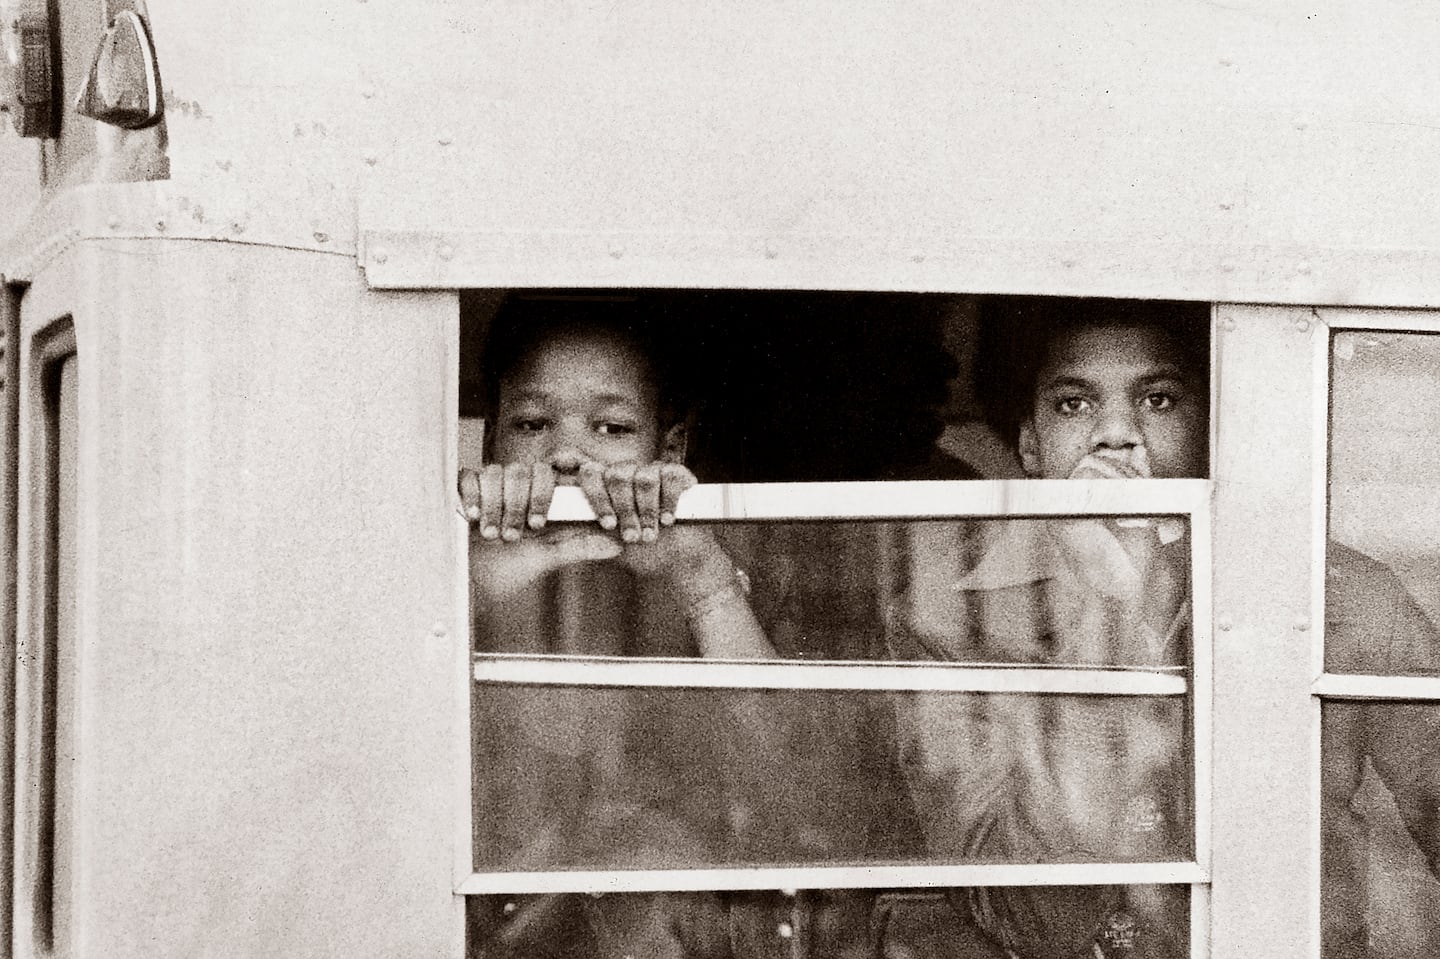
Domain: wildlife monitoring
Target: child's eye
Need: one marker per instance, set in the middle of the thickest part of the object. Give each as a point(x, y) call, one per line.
point(614, 429)
point(1070, 405)
point(530, 424)
point(1159, 400)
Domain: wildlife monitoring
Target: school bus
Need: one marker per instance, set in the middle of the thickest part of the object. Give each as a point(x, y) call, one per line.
point(250, 249)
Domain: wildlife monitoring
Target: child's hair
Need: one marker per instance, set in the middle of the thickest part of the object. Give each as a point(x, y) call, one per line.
point(1017, 332)
point(524, 321)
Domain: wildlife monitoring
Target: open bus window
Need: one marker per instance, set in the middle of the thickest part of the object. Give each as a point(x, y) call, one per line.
point(798, 387)
point(892, 665)
point(768, 387)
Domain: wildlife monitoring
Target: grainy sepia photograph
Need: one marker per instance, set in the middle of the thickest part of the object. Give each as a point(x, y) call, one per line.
point(589, 479)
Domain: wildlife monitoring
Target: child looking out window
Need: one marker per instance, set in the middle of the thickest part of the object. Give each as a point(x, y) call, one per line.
point(1100, 390)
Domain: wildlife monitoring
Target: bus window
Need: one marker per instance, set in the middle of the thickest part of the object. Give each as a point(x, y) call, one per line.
point(1380, 771)
point(582, 775)
point(833, 923)
point(937, 676)
point(1384, 577)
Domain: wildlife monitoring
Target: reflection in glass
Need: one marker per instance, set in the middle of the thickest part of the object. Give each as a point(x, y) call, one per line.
point(1380, 818)
point(1111, 591)
point(1085, 921)
point(1383, 567)
point(616, 778)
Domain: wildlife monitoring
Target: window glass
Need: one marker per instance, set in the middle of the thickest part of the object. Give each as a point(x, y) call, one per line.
point(1083, 921)
point(578, 777)
point(1383, 568)
point(1381, 831)
point(1096, 591)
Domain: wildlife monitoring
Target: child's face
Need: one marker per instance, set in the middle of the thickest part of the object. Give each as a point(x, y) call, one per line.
point(1120, 394)
point(578, 396)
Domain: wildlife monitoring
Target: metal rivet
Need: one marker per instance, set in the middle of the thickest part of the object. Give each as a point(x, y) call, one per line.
point(321, 237)
point(237, 227)
point(1225, 626)
point(616, 251)
point(380, 256)
point(444, 140)
point(1302, 268)
point(1228, 324)
point(770, 251)
point(509, 908)
point(446, 251)
point(367, 92)
point(113, 223)
point(785, 930)
point(438, 630)
point(1302, 325)
point(789, 893)
point(1301, 625)
point(160, 224)
point(371, 159)
point(917, 257)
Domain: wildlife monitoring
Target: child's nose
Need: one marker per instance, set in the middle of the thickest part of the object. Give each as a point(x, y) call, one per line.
point(566, 458)
point(568, 451)
point(1118, 427)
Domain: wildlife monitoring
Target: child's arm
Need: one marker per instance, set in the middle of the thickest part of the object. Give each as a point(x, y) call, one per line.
point(1121, 562)
point(509, 504)
point(707, 583)
point(710, 590)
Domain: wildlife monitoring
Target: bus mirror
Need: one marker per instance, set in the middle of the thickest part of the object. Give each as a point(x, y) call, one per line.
point(26, 81)
point(123, 88)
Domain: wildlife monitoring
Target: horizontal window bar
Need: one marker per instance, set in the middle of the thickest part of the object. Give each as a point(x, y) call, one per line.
point(834, 877)
point(1348, 686)
point(723, 674)
point(930, 499)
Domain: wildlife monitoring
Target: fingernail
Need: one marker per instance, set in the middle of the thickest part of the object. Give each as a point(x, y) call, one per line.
point(648, 535)
point(607, 522)
point(510, 535)
point(489, 532)
point(629, 535)
point(472, 512)
point(536, 521)
point(667, 519)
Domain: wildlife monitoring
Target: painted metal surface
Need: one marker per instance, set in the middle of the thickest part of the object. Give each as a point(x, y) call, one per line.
point(1255, 151)
point(173, 210)
point(266, 682)
point(1265, 864)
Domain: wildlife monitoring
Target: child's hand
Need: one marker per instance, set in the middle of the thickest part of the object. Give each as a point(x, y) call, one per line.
point(503, 572)
point(503, 500)
point(636, 500)
point(1132, 463)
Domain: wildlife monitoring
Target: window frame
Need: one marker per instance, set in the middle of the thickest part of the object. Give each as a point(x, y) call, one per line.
point(1345, 687)
point(905, 500)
